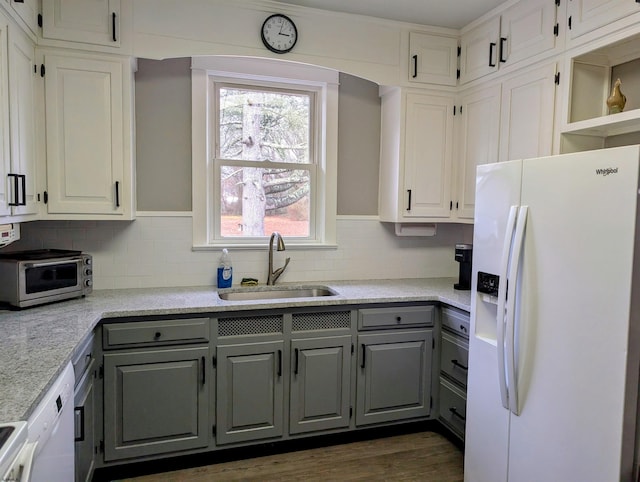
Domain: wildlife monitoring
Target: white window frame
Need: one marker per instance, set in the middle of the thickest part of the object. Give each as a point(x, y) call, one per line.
point(269, 73)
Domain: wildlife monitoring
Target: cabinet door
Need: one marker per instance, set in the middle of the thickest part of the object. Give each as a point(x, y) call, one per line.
point(28, 11)
point(250, 391)
point(433, 59)
point(6, 190)
point(320, 383)
point(526, 29)
point(85, 409)
point(479, 51)
point(428, 156)
point(394, 376)
point(95, 22)
point(587, 15)
point(84, 125)
point(527, 114)
point(22, 124)
point(477, 134)
point(155, 402)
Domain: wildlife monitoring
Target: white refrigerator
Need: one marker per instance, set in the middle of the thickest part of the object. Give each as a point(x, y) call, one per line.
point(554, 347)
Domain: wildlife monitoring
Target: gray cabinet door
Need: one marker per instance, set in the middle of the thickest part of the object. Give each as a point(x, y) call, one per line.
point(394, 376)
point(320, 383)
point(155, 401)
point(250, 392)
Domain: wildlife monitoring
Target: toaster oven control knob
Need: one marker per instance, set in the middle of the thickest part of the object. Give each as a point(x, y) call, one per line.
point(87, 261)
point(88, 283)
point(88, 271)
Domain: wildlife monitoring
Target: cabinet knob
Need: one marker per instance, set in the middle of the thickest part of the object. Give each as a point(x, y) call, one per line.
point(157, 335)
point(398, 319)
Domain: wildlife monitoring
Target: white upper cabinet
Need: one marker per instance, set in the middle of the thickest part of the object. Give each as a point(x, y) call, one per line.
point(416, 156)
point(521, 32)
point(27, 11)
point(89, 21)
point(88, 136)
point(433, 59)
point(476, 142)
point(587, 15)
point(22, 122)
point(527, 110)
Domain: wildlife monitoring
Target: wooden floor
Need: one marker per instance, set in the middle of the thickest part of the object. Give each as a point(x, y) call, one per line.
point(423, 456)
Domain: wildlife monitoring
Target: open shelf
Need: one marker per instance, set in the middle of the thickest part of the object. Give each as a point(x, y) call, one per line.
point(606, 126)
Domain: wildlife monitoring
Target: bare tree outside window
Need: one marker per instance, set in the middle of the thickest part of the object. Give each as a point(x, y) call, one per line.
point(268, 128)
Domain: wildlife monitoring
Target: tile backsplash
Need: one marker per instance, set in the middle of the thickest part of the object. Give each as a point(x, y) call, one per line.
point(156, 251)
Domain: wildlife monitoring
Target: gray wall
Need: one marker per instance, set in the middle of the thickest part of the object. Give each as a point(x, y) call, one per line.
point(163, 135)
point(163, 139)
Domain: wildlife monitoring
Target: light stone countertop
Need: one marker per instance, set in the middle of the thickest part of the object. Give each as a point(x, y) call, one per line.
point(37, 343)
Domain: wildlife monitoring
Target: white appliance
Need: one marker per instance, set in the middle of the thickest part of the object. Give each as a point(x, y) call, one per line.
point(555, 320)
point(48, 455)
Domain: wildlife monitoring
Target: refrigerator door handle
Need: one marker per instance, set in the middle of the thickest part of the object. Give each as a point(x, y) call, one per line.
point(502, 298)
point(512, 319)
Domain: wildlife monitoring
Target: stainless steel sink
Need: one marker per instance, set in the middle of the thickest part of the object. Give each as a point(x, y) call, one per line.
point(280, 292)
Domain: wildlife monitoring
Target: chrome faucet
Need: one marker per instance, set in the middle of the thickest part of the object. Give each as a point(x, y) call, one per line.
point(274, 275)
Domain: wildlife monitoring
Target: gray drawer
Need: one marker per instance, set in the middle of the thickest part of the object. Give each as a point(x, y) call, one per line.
point(454, 358)
point(83, 358)
point(455, 320)
point(453, 407)
point(370, 318)
point(154, 333)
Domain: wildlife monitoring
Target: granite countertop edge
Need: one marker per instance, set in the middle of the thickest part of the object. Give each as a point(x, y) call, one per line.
point(37, 343)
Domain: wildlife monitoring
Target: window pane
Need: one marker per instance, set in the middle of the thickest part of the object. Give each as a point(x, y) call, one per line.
point(264, 125)
point(256, 201)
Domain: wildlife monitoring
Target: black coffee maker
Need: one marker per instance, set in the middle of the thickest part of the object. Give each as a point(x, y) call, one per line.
point(463, 256)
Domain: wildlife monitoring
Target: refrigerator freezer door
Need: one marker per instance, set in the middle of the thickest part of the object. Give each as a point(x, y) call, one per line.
point(573, 303)
point(487, 426)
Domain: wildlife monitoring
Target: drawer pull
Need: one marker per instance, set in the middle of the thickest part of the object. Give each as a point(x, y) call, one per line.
point(455, 413)
point(398, 319)
point(279, 363)
point(463, 328)
point(364, 351)
point(297, 356)
point(157, 335)
point(203, 362)
point(456, 363)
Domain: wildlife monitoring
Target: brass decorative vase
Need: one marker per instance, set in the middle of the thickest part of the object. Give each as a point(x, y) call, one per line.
point(617, 99)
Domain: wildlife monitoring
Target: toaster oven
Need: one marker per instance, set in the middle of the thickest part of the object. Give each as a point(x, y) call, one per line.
point(29, 278)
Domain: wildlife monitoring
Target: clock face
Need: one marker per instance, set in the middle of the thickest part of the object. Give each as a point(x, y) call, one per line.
point(279, 33)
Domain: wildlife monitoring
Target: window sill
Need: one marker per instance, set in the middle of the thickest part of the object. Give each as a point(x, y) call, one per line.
point(291, 245)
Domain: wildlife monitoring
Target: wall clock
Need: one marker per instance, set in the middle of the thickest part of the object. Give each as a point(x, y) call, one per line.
point(279, 33)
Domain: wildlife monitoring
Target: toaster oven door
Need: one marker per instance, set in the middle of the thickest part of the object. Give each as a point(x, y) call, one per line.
point(50, 279)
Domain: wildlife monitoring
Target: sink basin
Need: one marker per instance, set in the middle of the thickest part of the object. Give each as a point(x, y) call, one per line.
point(275, 293)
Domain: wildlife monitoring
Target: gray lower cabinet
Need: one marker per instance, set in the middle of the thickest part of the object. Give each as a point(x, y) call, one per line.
point(320, 383)
point(394, 376)
point(155, 401)
point(454, 355)
point(250, 392)
point(85, 406)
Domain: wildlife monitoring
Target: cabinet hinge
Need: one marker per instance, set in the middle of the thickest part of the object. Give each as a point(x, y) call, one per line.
point(450, 205)
point(460, 110)
point(102, 446)
point(457, 73)
point(454, 110)
point(40, 20)
point(459, 51)
point(433, 343)
point(430, 402)
point(213, 430)
point(556, 79)
point(214, 362)
point(101, 371)
point(42, 70)
point(353, 349)
point(46, 197)
point(556, 29)
point(557, 3)
point(350, 411)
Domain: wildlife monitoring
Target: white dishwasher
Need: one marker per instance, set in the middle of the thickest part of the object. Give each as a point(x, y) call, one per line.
point(48, 455)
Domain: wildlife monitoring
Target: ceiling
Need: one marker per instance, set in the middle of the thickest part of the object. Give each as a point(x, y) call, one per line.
point(441, 13)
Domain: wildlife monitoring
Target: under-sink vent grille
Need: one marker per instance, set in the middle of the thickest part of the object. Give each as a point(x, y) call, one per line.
point(252, 325)
point(321, 321)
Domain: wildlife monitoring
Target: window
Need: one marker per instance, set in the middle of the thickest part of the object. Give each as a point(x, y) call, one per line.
point(264, 152)
point(265, 161)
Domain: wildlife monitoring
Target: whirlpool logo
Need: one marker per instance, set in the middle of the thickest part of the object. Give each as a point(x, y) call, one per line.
point(606, 171)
